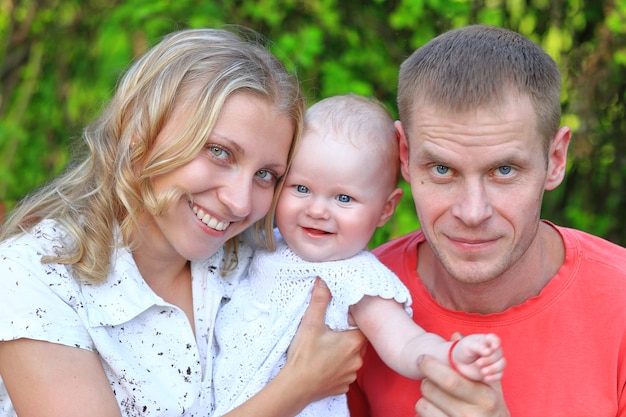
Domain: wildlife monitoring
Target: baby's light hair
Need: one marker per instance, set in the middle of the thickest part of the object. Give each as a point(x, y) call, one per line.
point(363, 121)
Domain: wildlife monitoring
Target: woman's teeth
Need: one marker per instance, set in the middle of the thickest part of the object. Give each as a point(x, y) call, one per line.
point(212, 222)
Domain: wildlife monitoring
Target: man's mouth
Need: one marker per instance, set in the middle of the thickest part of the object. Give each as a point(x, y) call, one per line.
point(209, 220)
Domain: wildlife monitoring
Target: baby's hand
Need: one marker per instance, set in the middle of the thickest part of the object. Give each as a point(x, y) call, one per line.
point(478, 357)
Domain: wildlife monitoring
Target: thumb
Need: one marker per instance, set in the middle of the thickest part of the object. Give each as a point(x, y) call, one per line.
point(320, 297)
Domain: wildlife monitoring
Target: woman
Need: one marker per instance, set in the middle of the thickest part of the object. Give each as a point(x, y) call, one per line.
point(112, 275)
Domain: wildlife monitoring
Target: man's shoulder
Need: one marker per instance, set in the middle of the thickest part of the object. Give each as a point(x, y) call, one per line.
point(589, 248)
point(398, 246)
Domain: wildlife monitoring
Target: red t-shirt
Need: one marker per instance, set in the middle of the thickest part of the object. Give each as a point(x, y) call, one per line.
point(565, 348)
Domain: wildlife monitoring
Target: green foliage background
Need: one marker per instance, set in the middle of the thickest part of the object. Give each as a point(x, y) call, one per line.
point(60, 60)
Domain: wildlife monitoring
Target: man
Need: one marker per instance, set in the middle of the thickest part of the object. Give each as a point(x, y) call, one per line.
point(480, 143)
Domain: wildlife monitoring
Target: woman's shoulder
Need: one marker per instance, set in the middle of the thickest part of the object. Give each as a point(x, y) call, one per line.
point(44, 239)
point(39, 300)
point(21, 259)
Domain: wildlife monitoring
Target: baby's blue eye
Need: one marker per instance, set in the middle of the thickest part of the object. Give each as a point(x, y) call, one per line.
point(302, 189)
point(343, 198)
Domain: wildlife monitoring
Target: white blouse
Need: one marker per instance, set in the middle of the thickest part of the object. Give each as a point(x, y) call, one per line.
point(255, 328)
point(154, 363)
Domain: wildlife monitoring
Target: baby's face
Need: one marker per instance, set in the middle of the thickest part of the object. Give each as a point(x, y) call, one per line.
point(333, 198)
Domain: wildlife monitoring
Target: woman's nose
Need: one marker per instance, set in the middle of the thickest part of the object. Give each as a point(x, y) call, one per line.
point(236, 195)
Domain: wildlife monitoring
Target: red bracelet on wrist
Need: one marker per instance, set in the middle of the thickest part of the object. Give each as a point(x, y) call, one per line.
point(450, 360)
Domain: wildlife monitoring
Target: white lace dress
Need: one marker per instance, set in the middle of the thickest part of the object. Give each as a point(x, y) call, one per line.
point(255, 328)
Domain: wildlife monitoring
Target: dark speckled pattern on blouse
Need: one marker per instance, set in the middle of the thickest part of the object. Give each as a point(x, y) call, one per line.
point(155, 365)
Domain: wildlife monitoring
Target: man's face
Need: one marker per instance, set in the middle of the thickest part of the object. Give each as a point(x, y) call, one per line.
point(478, 179)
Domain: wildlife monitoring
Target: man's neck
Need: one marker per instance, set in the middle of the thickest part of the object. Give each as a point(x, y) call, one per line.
point(523, 281)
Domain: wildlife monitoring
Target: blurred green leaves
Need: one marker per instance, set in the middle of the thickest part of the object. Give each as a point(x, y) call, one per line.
point(60, 61)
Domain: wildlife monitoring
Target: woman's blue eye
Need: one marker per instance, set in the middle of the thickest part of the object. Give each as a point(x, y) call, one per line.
point(302, 189)
point(266, 175)
point(218, 152)
point(343, 198)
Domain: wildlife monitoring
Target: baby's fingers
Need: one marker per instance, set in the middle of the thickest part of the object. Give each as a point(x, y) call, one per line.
point(494, 371)
point(490, 358)
point(492, 341)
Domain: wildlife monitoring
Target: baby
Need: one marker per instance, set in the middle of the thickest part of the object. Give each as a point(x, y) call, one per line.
point(341, 186)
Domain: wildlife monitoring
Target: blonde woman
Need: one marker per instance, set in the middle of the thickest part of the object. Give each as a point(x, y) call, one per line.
point(113, 274)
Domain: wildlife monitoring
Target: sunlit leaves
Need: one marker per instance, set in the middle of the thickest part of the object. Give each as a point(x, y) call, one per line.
point(60, 60)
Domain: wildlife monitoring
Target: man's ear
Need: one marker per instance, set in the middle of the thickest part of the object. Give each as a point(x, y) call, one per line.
point(557, 158)
point(390, 206)
point(404, 150)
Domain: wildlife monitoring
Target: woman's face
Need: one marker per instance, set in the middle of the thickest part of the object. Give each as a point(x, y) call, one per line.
point(232, 179)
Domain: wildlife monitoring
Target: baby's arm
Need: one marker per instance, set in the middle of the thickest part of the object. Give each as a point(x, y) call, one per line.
point(400, 342)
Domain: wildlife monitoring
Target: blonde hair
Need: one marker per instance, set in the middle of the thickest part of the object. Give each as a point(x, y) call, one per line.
point(111, 186)
point(364, 121)
point(477, 66)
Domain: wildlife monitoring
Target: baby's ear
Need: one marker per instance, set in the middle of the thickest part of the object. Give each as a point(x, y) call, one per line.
point(390, 206)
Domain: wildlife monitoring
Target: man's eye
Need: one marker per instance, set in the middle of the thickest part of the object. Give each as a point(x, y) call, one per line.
point(302, 189)
point(442, 169)
point(343, 198)
point(505, 170)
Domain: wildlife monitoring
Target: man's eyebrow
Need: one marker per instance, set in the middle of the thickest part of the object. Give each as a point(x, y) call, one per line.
point(511, 159)
point(427, 155)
